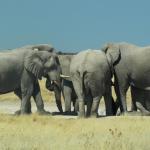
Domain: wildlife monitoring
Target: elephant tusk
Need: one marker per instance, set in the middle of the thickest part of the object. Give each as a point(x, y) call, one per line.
point(64, 76)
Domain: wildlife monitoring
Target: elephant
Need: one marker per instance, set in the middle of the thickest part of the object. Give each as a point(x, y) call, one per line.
point(130, 68)
point(20, 70)
point(49, 48)
point(67, 89)
point(91, 76)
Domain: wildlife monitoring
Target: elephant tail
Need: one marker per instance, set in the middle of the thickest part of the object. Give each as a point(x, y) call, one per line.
point(83, 80)
point(81, 77)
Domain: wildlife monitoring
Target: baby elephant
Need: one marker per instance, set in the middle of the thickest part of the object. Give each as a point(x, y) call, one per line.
point(91, 76)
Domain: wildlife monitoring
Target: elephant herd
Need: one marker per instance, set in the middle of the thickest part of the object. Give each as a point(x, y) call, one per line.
point(82, 78)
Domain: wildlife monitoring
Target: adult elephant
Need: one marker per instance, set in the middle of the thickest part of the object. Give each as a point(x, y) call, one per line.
point(91, 76)
point(48, 48)
point(130, 67)
point(20, 70)
point(66, 89)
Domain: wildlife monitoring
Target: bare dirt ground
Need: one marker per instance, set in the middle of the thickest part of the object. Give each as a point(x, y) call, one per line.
point(9, 107)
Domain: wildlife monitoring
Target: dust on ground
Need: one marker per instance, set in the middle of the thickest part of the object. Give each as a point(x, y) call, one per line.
point(10, 107)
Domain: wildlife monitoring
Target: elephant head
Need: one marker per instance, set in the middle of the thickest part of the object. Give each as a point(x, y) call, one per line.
point(42, 63)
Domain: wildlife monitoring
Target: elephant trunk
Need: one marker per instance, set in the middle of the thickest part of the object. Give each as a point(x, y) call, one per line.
point(49, 85)
point(52, 86)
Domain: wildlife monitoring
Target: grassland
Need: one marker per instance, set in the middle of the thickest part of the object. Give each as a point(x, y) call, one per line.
point(50, 133)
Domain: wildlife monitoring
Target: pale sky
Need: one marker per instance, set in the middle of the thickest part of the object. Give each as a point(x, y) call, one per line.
point(73, 25)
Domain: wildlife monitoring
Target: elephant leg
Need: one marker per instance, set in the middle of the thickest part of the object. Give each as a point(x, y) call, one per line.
point(123, 100)
point(95, 106)
point(27, 82)
point(74, 100)
point(27, 86)
point(89, 101)
point(79, 92)
point(76, 106)
point(121, 89)
point(133, 105)
point(38, 98)
point(67, 97)
point(68, 92)
point(109, 103)
point(26, 95)
point(57, 92)
point(89, 106)
point(133, 101)
point(114, 106)
point(81, 113)
point(18, 93)
point(117, 103)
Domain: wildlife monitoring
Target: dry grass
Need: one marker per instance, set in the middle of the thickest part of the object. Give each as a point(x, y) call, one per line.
point(50, 133)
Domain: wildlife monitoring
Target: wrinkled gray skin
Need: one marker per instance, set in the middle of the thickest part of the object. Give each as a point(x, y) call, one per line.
point(20, 70)
point(131, 67)
point(67, 86)
point(91, 76)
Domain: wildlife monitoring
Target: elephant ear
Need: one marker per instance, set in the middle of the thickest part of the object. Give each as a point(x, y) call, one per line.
point(34, 64)
point(112, 52)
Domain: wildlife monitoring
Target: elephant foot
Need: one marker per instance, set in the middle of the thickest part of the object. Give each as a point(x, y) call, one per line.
point(18, 112)
point(125, 113)
point(94, 115)
point(143, 110)
point(44, 112)
point(72, 113)
point(118, 114)
point(81, 115)
point(67, 113)
point(75, 113)
point(133, 113)
point(56, 113)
